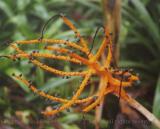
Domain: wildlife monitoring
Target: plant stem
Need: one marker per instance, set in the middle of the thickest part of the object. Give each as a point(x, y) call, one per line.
point(112, 19)
point(136, 105)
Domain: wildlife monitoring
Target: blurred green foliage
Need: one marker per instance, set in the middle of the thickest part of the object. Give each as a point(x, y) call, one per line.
point(23, 19)
point(141, 47)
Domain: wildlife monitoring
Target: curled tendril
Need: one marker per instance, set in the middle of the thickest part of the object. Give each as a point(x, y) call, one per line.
point(53, 18)
point(94, 37)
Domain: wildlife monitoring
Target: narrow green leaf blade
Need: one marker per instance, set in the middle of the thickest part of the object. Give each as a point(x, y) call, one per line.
point(156, 104)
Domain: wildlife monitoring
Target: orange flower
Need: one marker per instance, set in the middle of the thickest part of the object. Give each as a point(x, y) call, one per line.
point(110, 79)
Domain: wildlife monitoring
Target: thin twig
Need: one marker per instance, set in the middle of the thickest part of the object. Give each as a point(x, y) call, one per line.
point(133, 103)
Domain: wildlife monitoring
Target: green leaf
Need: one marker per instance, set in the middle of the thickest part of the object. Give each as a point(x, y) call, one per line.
point(132, 64)
point(156, 103)
point(71, 126)
point(41, 11)
point(10, 71)
point(39, 77)
point(21, 4)
point(89, 4)
point(147, 21)
point(54, 28)
point(51, 84)
point(6, 9)
point(70, 118)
